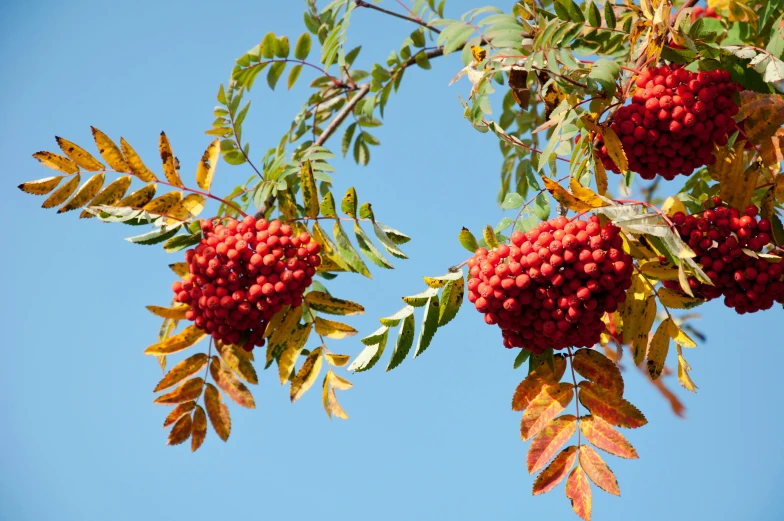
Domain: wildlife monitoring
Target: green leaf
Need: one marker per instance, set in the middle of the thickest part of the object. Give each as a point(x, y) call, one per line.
point(593, 14)
point(429, 325)
point(371, 354)
point(293, 75)
point(328, 206)
point(302, 48)
point(394, 319)
point(405, 339)
point(467, 240)
point(268, 45)
point(605, 72)
point(180, 242)
point(512, 201)
point(309, 190)
point(274, 73)
point(420, 299)
point(347, 251)
point(395, 236)
point(155, 236)
point(387, 242)
point(502, 225)
point(282, 48)
point(609, 15)
point(521, 357)
point(542, 207)
point(451, 299)
point(349, 203)
point(422, 60)
point(347, 137)
point(369, 249)
point(366, 212)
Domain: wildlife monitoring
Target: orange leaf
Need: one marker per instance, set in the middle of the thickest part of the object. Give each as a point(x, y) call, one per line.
point(544, 407)
point(565, 198)
point(612, 409)
point(533, 383)
point(181, 430)
point(218, 412)
point(231, 385)
point(182, 371)
point(199, 428)
point(556, 471)
point(598, 471)
point(603, 436)
point(578, 490)
point(547, 442)
point(190, 390)
point(183, 340)
point(594, 366)
point(178, 412)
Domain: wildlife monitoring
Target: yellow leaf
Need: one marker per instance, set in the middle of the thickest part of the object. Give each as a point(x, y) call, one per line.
point(333, 306)
point(185, 339)
point(109, 195)
point(615, 149)
point(109, 151)
point(673, 205)
point(79, 155)
point(187, 209)
point(533, 384)
point(206, 169)
point(325, 396)
point(306, 375)
point(674, 299)
point(181, 430)
point(309, 190)
point(604, 437)
point(178, 412)
point(564, 197)
point(338, 382)
point(139, 198)
point(61, 194)
point(551, 400)
point(180, 268)
point(683, 372)
point(199, 431)
point(135, 163)
point(552, 98)
point(177, 312)
point(634, 307)
point(236, 362)
point(57, 162)
point(596, 367)
point(182, 371)
point(589, 122)
point(737, 181)
point(85, 192)
point(585, 195)
point(335, 407)
point(645, 323)
point(600, 174)
point(554, 435)
point(217, 412)
point(680, 336)
point(596, 469)
point(41, 186)
point(655, 269)
point(331, 329)
point(169, 164)
point(478, 53)
point(337, 360)
point(231, 385)
point(291, 351)
point(189, 390)
point(284, 328)
point(164, 203)
point(578, 490)
point(657, 351)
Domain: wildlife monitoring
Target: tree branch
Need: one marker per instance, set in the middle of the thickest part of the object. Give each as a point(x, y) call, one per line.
point(362, 3)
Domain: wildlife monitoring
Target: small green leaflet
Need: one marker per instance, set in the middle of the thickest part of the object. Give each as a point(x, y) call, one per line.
point(467, 240)
point(155, 236)
point(405, 339)
point(429, 325)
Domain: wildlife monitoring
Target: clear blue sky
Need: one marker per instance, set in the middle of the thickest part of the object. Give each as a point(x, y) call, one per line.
point(434, 439)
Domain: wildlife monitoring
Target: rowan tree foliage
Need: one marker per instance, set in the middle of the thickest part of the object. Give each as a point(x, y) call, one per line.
point(582, 97)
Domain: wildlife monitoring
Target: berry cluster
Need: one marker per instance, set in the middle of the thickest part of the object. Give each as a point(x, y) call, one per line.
point(242, 273)
point(718, 237)
point(674, 120)
point(552, 286)
point(699, 12)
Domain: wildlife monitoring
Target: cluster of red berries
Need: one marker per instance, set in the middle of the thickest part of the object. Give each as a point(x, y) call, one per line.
point(674, 120)
point(552, 286)
point(699, 12)
point(242, 273)
point(718, 237)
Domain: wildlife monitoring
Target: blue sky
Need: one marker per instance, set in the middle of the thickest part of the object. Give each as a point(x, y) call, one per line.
point(434, 439)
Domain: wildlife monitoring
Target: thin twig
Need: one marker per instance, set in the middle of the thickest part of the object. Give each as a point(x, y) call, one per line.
point(362, 3)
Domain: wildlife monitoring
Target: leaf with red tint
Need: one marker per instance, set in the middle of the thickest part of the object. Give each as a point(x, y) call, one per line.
point(217, 411)
point(181, 430)
point(603, 436)
point(178, 412)
point(547, 442)
point(231, 385)
point(534, 382)
point(598, 471)
point(544, 407)
point(594, 366)
point(578, 490)
point(182, 371)
point(190, 390)
point(199, 430)
point(555, 472)
point(612, 409)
